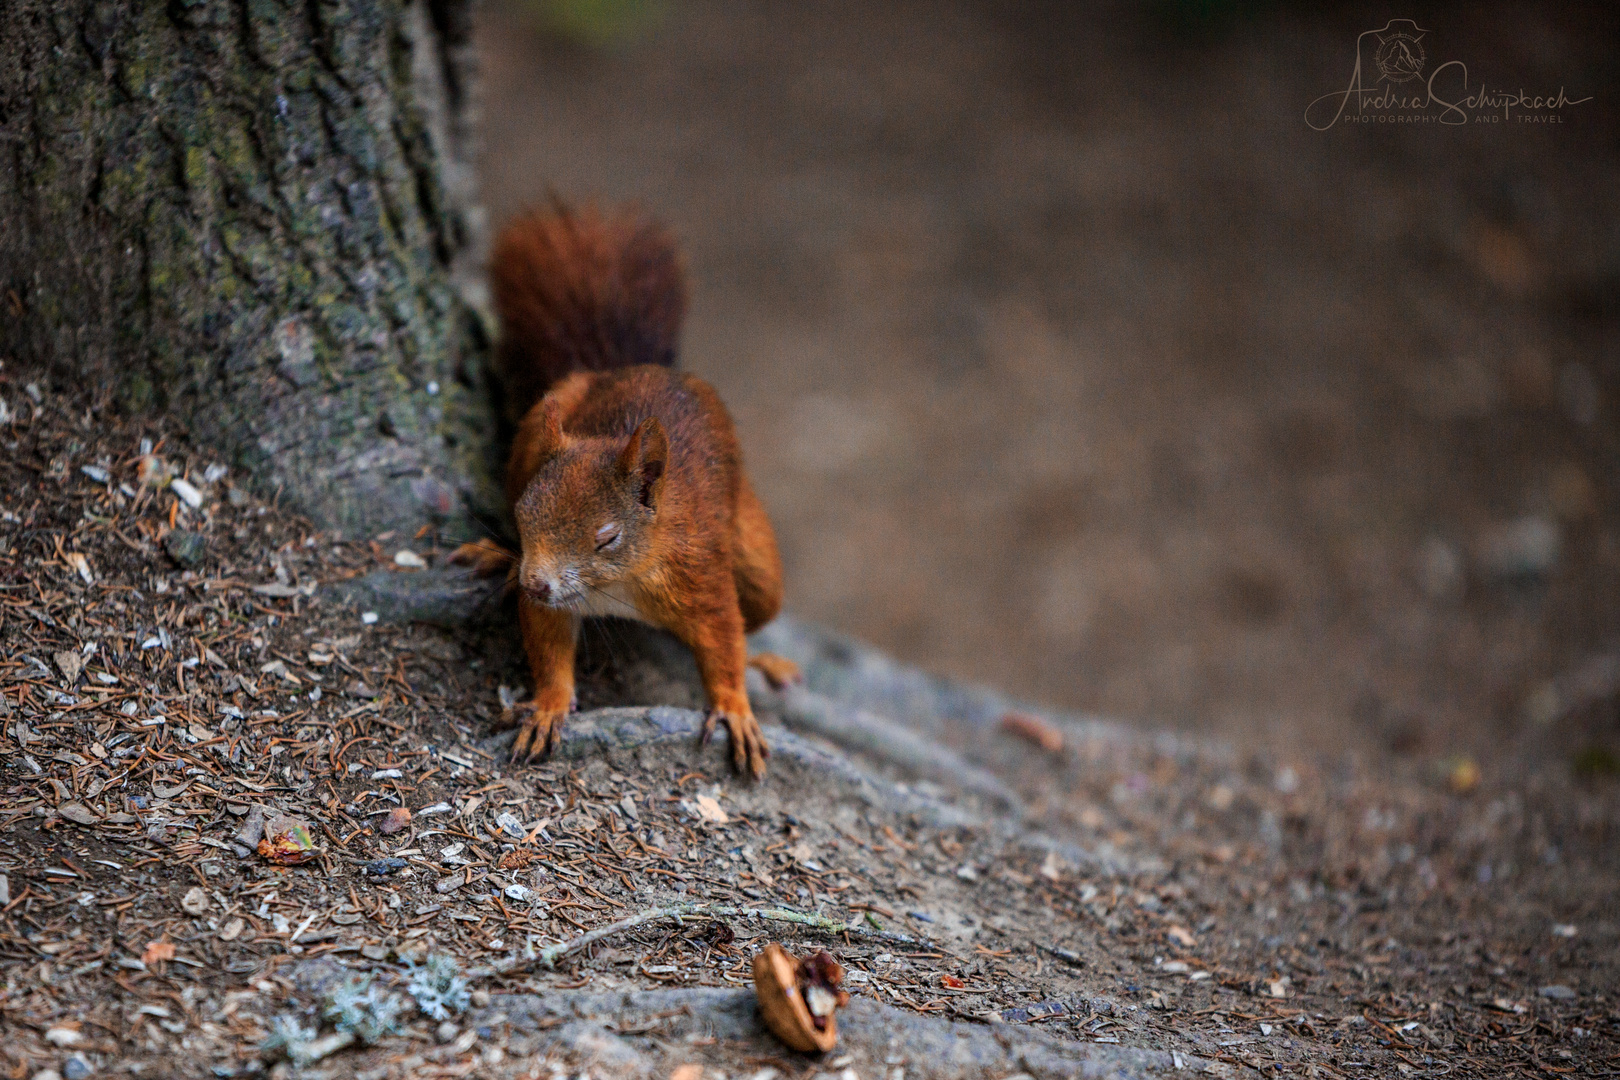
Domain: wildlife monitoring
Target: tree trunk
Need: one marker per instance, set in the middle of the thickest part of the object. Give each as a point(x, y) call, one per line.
point(259, 215)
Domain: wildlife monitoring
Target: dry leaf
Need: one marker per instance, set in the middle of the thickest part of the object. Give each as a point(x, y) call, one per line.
point(709, 809)
point(1033, 729)
point(286, 842)
point(69, 663)
point(395, 820)
point(156, 952)
point(1462, 775)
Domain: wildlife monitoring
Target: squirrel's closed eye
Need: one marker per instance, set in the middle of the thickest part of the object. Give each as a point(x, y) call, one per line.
point(607, 536)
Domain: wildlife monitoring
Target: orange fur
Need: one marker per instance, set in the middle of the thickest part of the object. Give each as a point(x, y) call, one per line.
point(625, 476)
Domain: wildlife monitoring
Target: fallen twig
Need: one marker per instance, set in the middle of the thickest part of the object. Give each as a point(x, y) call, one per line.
point(551, 954)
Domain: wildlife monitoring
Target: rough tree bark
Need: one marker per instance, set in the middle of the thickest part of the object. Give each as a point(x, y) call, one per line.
point(259, 215)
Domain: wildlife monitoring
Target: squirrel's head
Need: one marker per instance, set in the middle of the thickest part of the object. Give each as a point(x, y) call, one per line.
point(587, 516)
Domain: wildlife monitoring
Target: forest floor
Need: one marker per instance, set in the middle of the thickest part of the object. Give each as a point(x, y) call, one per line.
point(1069, 358)
point(179, 681)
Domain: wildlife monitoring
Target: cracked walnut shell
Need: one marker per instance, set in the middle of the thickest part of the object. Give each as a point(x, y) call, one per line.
point(798, 998)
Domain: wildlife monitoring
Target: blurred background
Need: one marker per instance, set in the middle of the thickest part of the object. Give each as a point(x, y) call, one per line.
point(1069, 358)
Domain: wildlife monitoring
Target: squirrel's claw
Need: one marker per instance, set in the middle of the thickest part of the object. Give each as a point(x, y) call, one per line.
point(779, 671)
point(538, 731)
point(748, 749)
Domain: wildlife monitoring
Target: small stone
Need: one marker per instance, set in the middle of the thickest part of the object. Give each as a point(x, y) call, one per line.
point(510, 825)
point(481, 999)
point(184, 546)
point(1558, 992)
point(1564, 930)
point(447, 1032)
point(252, 830)
point(194, 902)
point(409, 559)
point(64, 1036)
point(967, 873)
point(78, 813)
point(47, 1074)
point(76, 1068)
point(188, 494)
point(232, 930)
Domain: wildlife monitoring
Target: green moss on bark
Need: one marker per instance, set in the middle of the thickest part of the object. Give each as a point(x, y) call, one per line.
point(235, 211)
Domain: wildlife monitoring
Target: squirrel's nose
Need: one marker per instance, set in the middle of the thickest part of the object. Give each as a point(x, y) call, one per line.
point(541, 590)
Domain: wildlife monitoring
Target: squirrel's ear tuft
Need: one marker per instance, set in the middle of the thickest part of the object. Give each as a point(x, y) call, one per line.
point(539, 439)
point(549, 433)
point(644, 461)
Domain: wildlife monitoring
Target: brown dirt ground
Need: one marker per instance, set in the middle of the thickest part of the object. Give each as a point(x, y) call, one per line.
point(1301, 915)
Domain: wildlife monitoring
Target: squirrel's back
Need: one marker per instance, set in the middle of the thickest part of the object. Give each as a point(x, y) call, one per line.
point(582, 291)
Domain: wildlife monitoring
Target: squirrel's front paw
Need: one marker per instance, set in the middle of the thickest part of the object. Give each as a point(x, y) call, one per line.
point(748, 749)
point(538, 730)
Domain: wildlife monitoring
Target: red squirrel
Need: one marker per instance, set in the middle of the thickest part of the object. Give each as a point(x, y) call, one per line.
point(625, 477)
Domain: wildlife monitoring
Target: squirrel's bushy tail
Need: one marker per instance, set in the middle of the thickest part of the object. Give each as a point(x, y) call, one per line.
point(582, 291)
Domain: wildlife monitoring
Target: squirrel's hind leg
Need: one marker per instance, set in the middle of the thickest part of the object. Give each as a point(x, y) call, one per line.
point(779, 671)
point(756, 565)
